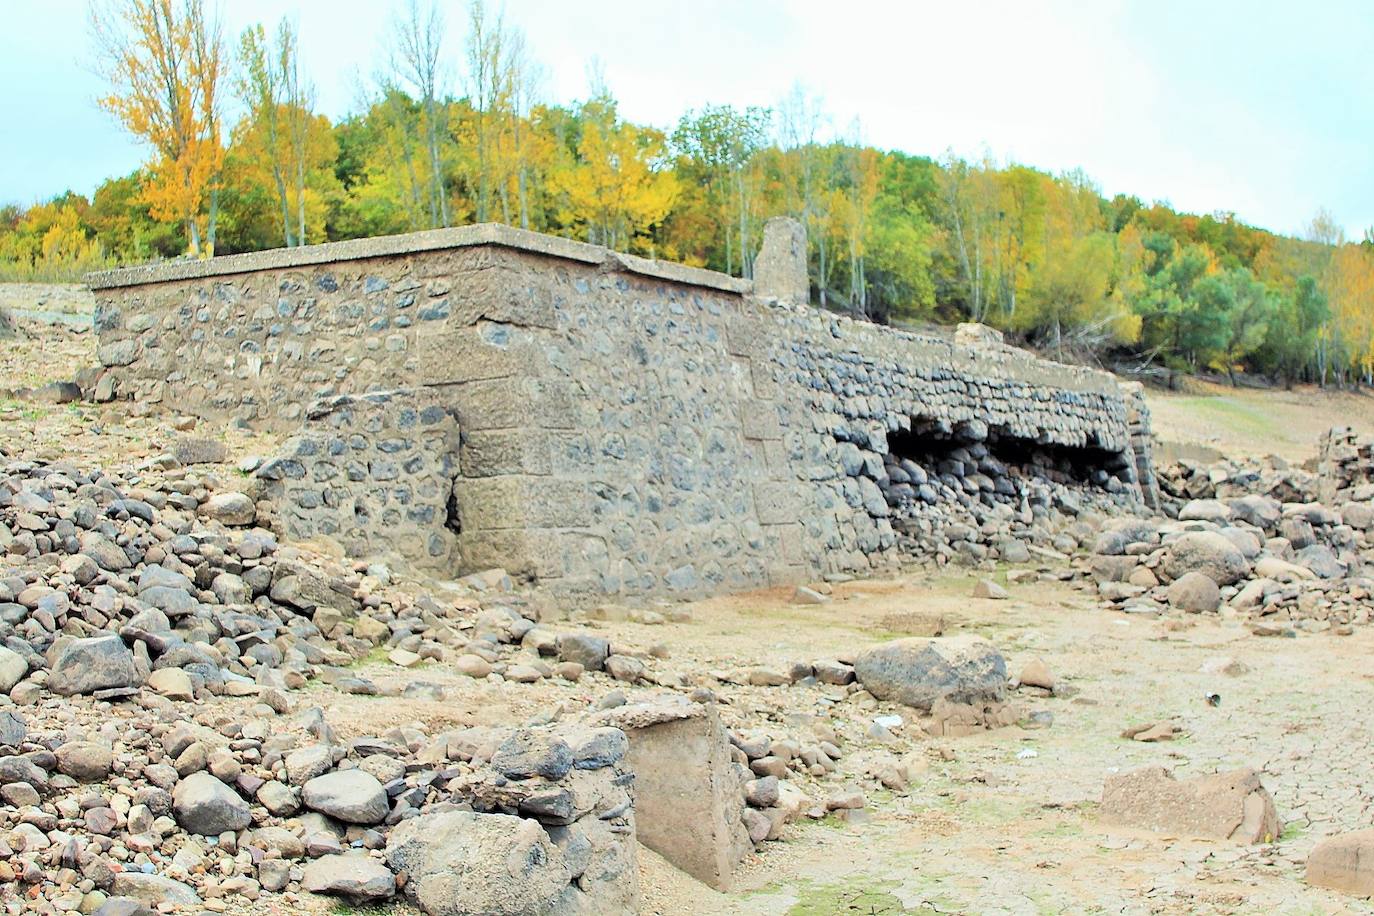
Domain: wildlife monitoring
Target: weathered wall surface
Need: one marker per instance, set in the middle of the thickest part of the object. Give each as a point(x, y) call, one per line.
point(626, 425)
point(374, 473)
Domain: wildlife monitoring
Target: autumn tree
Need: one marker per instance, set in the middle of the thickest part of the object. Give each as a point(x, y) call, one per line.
point(1348, 337)
point(164, 63)
point(617, 186)
point(280, 134)
point(415, 64)
point(720, 144)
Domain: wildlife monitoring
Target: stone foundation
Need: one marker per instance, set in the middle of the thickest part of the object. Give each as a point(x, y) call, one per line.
point(625, 426)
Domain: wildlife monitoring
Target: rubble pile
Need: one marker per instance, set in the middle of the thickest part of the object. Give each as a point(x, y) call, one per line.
point(1283, 565)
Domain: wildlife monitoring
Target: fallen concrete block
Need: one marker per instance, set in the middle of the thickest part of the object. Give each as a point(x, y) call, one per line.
point(689, 794)
point(1224, 806)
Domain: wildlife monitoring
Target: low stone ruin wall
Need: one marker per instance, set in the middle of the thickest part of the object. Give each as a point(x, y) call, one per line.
point(623, 425)
point(1345, 467)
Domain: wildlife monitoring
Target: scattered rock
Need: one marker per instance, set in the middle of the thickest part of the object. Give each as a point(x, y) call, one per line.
point(204, 805)
point(917, 672)
point(354, 875)
point(986, 588)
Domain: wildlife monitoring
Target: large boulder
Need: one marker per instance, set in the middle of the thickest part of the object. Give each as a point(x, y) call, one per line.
point(1225, 806)
point(1281, 570)
point(354, 875)
point(588, 650)
point(13, 667)
point(1321, 560)
point(1344, 862)
point(88, 665)
point(235, 509)
point(1208, 553)
point(352, 796)
point(1195, 593)
point(1263, 512)
point(153, 890)
point(462, 862)
point(1119, 533)
point(917, 672)
point(1205, 510)
point(202, 804)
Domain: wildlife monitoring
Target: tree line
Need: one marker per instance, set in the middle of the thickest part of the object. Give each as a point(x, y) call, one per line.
point(453, 128)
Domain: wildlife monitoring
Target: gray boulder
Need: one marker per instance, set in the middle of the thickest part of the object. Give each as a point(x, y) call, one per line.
point(1208, 553)
point(1321, 560)
point(13, 730)
point(1195, 593)
point(13, 667)
point(152, 890)
point(1261, 511)
point(354, 875)
point(352, 796)
point(917, 671)
point(461, 862)
point(529, 753)
point(106, 553)
point(1205, 510)
point(87, 665)
point(235, 509)
point(587, 650)
point(1117, 534)
point(202, 804)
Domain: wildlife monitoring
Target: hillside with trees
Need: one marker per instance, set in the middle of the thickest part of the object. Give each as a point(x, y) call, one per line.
point(240, 160)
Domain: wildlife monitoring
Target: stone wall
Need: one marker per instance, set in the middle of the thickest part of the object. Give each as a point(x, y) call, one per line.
point(361, 465)
point(626, 425)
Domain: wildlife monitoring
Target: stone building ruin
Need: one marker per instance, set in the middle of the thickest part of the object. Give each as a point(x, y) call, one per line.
point(484, 396)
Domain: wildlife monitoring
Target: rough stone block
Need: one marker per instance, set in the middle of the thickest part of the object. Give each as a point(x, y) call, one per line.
point(689, 796)
point(1344, 862)
point(470, 354)
point(491, 453)
point(1225, 806)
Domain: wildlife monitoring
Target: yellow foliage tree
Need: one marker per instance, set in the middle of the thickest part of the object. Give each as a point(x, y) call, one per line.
point(164, 62)
point(1348, 337)
point(618, 187)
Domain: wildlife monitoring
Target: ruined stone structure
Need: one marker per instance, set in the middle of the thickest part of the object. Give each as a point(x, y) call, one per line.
point(1345, 466)
point(612, 424)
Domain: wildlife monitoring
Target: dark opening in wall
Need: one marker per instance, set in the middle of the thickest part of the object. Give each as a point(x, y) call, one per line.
point(453, 519)
point(988, 462)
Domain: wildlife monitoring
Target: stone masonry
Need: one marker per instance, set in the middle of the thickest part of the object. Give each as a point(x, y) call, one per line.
point(623, 425)
point(364, 464)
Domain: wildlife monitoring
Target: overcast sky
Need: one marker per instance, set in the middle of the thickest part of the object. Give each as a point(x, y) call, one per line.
point(1263, 108)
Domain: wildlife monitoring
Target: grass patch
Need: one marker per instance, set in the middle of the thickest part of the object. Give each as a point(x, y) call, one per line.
point(855, 896)
point(1231, 414)
point(344, 908)
point(376, 657)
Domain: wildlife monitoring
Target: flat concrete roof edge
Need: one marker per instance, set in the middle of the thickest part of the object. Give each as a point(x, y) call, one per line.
point(409, 243)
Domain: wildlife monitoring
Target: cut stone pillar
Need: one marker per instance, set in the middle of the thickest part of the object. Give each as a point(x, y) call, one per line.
point(689, 794)
point(780, 269)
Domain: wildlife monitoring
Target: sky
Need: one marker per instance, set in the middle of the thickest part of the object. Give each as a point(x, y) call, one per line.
point(1261, 108)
